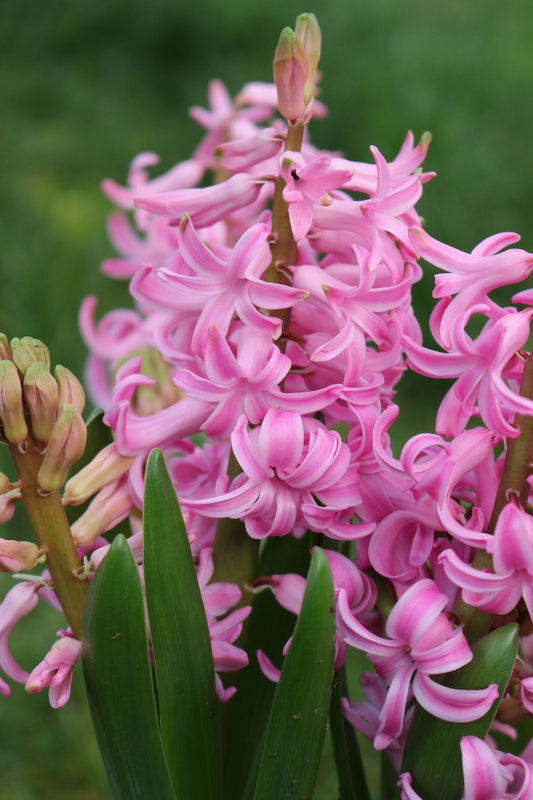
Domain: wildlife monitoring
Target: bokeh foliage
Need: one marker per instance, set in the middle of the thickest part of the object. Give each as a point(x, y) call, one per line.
point(87, 84)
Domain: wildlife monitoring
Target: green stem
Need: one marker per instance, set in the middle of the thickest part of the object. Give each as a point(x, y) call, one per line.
point(47, 515)
point(235, 553)
point(517, 466)
point(283, 247)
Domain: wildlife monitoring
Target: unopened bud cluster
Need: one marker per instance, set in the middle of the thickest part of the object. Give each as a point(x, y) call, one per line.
point(41, 411)
point(295, 68)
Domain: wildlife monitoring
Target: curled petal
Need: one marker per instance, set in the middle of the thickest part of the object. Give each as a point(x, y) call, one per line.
point(483, 775)
point(453, 705)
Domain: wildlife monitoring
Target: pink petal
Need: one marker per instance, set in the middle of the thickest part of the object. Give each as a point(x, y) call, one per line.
point(453, 705)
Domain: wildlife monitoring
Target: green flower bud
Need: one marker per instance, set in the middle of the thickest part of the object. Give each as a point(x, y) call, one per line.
point(5, 350)
point(66, 445)
point(41, 397)
point(308, 32)
point(70, 389)
point(290, 69)
point(11, 405)
point(27, 350)
point(105, 467)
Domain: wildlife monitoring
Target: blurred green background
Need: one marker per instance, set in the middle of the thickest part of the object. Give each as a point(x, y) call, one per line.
point(87, 84)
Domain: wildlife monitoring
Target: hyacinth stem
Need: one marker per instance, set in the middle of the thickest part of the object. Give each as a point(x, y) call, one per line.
point(283, 247)
point(517, 466)
point(235, 553)
point(47, 515)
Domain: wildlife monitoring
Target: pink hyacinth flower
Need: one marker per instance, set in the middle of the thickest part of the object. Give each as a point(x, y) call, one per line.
point(288, 461)
point(55, 671)
point(488, 774)
point(308, 183)
point(479, 365)
point(512, 559)
point(18, 602)
point(246, 382)
point(469, 276)
point(422, 642)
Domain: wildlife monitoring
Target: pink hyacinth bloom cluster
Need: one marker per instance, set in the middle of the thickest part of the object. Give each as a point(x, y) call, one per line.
point(286, 369)
point(272, 322)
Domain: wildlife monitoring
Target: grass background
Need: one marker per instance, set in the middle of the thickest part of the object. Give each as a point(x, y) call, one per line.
point(86, 85)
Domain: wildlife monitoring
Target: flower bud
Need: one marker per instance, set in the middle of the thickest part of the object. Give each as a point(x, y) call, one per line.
point(27, 350)
point(5, 350)
point(308, 32)
point(11, 405)
point(7, 504)
point(66, 445)
point(107, 465)
point(18, 556)
point(70, 389)
point(111, 505)
point(41, 398)
point(290, 75)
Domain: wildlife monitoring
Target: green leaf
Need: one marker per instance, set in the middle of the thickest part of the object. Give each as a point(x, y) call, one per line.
point(118, 677)
point(188, 706)
point(269, 626)
point(296, 729)
point(352, 779)
point(433, 755)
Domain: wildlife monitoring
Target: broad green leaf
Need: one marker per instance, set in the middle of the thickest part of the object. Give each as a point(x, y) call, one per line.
point(118, 677)
point(433, 754)
point(352, 779)
point(188, 706)
point(297, 724)
point(269, 627)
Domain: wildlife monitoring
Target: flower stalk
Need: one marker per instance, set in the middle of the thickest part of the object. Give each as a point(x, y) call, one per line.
point(49, 520)
point(518, 463)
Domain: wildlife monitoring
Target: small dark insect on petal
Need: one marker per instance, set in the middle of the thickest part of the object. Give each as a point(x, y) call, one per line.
point(295, 175)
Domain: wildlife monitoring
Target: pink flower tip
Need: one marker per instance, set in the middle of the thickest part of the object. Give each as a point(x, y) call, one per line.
point(55, 671)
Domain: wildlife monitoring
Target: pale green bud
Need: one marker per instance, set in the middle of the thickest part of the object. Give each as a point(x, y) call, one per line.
point(70, 389)
point(290, 69)
point(105, 467)
point(310, 36)
point(27, 350)
point(5, 350)
point(41, 397)
point(110, 506)
point(11, 405)
point(66, 445)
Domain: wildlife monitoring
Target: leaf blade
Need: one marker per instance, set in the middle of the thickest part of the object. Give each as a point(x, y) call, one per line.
point(188, 705)
point(296, 729)
point(118, 678)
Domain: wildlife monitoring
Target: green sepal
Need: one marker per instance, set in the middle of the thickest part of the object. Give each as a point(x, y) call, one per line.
point(118, 678)
point(433, 755)
point(188, 706)
point(296, 729)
